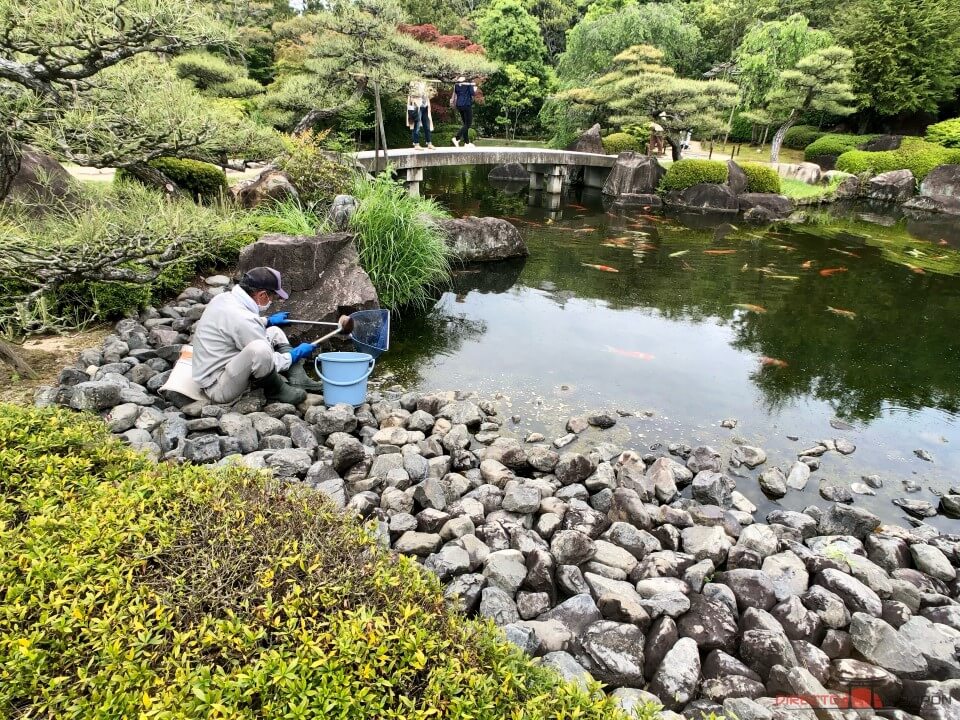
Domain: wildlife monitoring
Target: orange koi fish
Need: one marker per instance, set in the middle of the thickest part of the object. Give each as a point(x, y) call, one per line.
point(917, 270)
point(844, 252)
point(772, 362)
point(850, 314)
point(807, 265)
point(575, 206)
point(719, 252)
point(751, 308)
point(604, 268)
point(635, 354)
point(827, 272)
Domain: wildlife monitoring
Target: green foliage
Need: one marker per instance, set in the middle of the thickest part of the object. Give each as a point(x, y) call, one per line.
point(834, 144)
point(906, 53)
point(687, 173)
point(596, 40)
point(914, 154)
point(136, 589)
point(317, 175)
point(213, 75)
point(400, 244)
point(741, 130)
point(799, 136)
point(946, 133)
point(618, 142)
point(761, 178)
point(202, 180)
point(801, 190)
point(286, 218)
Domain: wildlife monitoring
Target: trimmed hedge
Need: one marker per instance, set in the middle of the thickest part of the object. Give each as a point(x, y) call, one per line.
point(761, 178)
point(687, 173)
point(616, 143)
point(834, 144)
point(914, 154)
point(799, 136)
point(136, 589)
point(946, 133)
point(202, 180)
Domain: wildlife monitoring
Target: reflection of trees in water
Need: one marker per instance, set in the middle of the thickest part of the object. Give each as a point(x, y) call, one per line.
point(419, 337)
point(464, 190)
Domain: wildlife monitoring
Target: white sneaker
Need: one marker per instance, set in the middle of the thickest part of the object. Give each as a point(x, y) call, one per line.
point(456, 142)
point(469, 145)
point(430, 146)
point(417, 147)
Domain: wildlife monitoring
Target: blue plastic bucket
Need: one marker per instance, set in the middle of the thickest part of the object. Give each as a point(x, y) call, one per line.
point(344, 376)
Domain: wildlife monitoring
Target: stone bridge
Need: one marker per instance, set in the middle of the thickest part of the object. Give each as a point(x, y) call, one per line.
point(547, 168)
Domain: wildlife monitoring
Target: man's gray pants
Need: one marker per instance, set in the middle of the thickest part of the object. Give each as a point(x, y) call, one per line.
point(256, 360)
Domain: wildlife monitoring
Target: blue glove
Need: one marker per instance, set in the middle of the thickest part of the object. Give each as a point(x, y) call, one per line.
point(301, 351)
point(279, 318)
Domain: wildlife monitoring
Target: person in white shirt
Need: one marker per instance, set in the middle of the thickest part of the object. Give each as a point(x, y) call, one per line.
point(234, 345)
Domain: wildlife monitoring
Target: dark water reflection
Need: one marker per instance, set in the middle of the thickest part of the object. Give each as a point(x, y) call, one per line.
point(683, 327)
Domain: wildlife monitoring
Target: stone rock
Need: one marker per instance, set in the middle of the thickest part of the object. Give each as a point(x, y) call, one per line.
point(703, 458)
point(574, 468)
point(571, 547)
point(751, 588)
point(505, 569)
point(710, 623)
point(855, 595)
point(498, 606)
point(41, 181)
point(270, 186)
point(631, 700)
point(645, 200)
point(523, 637)
point(341, 210)
point(704, 197)
point(417, 543)
point(775, 206)
point(588, 142)
point(575, 613)
point(202, 449)
point(675, 681)
point(732, 686)
point(122, 417)
point(552, 635)
point(737, 179)
point(448, 562)
point(893, 186)
point(759, 538)
point(509, 172)
point(482, 239)
point(290, 463)
point(712, 488)
point(933, 562)
point(798, 476)
point(746, 709)
point(706, 542)
point(798, 621)
point(850, 673)
point(322, 274)
point(787, 573)
point(615, 653)
point(917, 508)
point(845, 520)
point(568, 668)
point(719, 664)
point(809, 172)
point(761, 650)
point(881, 644)
point(95, 395)
point(634, 173)
point(747, 455)
point(532, 604)
point(773, 483)
point(520, 497)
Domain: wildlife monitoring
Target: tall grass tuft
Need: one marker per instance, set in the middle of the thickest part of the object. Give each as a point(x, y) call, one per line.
point(287, 218)
point(399, 241)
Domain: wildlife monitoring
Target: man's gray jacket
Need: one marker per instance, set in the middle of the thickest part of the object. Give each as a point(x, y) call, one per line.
point(230, 323)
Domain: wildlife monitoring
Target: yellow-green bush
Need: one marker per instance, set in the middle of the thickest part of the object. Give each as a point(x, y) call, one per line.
point(135, 589)
point(834, 144)
point(761, 178)
point(799, 136)
point(914, 154)
point(616, 143)
point(317, 176)
point(946, 133)
point(686, 173)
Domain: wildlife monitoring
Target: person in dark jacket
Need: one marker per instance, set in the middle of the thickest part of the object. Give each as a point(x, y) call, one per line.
point(462, 99)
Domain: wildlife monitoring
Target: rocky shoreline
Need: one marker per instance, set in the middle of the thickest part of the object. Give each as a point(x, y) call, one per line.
point(648, 572)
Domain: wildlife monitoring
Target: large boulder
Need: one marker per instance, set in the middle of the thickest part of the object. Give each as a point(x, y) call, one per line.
point(849, 185)
point(41, 180)
point(893, 186)
point(939, 191)
point(807, 171)
point(270, 186)
point(510, 172)
point(589, 142)
point(480, 239)
point(634, 174)
point(322, 273)
point(770, 205)
point(704, 197)
point(883, 143)
point(736, 178)
point(341, 210)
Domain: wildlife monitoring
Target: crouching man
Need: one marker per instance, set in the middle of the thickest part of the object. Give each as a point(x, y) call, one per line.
point(234, 346)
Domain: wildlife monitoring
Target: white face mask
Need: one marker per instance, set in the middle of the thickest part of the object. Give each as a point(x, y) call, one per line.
point(264, 308)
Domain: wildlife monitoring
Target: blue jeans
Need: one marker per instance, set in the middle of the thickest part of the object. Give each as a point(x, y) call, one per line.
point(422, 121)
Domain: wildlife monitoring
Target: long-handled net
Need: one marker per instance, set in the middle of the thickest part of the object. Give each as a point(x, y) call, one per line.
point(371, 331)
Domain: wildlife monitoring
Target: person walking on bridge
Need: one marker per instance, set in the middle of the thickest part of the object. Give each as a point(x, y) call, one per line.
point(418, 113)
point(462, 99)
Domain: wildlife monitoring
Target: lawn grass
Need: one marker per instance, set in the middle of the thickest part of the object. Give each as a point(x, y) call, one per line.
point(800, 190)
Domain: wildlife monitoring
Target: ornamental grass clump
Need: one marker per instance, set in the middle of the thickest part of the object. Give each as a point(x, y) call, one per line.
point(400, 243)
point(137, 589)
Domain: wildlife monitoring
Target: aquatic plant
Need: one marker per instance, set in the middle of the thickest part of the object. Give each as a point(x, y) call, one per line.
point(401, 246)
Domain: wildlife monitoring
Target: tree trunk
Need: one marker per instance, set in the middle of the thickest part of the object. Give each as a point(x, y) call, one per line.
point(11, 357)
point(312, 118)
point(151, 177)
point(726, 135)
point(778, 140)
point(9, 164)
point(674, 148)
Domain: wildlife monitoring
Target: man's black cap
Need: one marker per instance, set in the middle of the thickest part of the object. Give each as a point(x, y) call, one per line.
point(264, 278)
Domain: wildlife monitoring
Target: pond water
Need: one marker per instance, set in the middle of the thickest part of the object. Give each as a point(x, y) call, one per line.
point(843, 327)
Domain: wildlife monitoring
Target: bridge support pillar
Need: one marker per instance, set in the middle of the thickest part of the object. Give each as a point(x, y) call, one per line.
point(413, 180)
point(536, 177)
point(595, 177)
point(555, 180)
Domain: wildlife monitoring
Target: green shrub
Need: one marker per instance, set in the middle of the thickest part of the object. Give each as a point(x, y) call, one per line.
point(761, 178)
point(946, 133)
point(799, 136)
point(136, 589)
point(616, 143)
point(914, 154)
point(686, 173)
point(834, 144)
point(401, 247)
point(202, 180)
point(741, 130)
point(317, 176)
